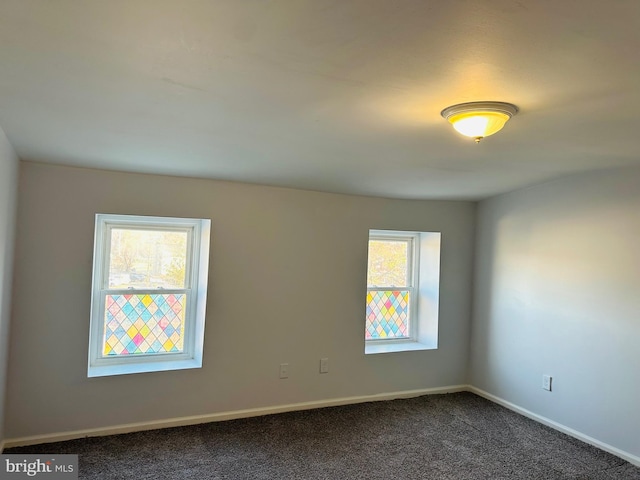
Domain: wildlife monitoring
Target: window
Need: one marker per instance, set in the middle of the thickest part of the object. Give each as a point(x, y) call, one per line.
point(148, 295)
point(391, 275)
point(402, 291)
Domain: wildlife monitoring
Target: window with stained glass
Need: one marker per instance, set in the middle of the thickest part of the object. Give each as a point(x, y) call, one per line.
point(391, 277)
point(149, 294)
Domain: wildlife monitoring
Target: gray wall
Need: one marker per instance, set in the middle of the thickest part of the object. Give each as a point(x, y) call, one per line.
point(287, 284)
point(8, 205)
point(557, 292)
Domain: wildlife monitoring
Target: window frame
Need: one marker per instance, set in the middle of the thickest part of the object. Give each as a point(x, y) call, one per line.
point(412, 239)
point(195, 287)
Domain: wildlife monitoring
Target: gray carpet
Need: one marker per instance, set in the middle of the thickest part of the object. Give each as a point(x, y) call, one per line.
point(455, 436)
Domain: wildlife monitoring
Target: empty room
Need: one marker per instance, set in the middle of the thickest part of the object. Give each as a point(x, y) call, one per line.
point(280, 239)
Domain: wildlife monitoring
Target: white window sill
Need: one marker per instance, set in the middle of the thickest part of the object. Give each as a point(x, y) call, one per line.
point(391, 347)
point(142, 367)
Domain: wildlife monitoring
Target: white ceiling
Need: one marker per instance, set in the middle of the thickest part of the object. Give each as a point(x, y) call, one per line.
point(331, 95)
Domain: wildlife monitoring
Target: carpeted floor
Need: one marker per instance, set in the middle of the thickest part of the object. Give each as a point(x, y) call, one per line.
point(455, 436)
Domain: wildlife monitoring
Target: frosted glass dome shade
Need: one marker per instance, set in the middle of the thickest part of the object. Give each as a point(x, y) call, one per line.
point(479, 119)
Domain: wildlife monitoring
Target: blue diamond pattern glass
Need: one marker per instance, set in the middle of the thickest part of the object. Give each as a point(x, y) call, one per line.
point(137, 324)
point(387, 314)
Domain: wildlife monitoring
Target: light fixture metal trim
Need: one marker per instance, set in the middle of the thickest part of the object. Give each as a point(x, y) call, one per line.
point(479, 119)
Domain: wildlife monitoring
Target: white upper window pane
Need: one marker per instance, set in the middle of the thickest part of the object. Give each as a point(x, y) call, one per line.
point(388, 263)
point(144, 259)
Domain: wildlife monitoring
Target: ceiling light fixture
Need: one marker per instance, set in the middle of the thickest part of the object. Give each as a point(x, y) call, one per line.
point(479, 119)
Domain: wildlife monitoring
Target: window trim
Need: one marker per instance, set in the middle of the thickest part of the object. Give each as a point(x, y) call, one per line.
point(413, 275)
point(196, 275)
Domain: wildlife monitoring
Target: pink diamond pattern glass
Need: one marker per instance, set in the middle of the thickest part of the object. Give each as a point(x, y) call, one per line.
point(144, 323)
point(387, 314)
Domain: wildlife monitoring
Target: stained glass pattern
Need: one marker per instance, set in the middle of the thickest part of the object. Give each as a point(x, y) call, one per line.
point(144, 323)
point(387, 314)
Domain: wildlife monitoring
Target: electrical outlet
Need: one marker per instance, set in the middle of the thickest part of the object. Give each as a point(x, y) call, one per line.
point(546, 382)
point(284, 370)
point(324, 365)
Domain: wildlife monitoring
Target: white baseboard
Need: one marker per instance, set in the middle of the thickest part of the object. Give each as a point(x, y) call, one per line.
point(217, 417)
point(634, 459)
